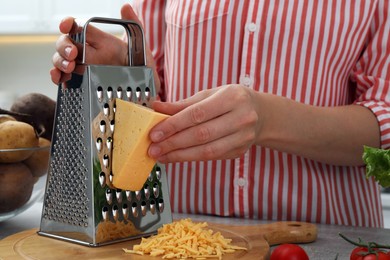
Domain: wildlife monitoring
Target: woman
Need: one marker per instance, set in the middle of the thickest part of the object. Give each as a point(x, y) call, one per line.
point(271, 103)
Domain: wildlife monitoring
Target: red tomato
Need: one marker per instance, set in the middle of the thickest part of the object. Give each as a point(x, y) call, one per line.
point(289, 252)
point(379, 256)
point(357, 252)
point(361, 253)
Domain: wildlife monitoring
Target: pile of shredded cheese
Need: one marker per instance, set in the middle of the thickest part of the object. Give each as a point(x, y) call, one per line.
point(108, 231)
point(185, 239)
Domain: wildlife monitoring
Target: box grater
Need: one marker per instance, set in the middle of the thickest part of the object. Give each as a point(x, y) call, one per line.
point(81, 205)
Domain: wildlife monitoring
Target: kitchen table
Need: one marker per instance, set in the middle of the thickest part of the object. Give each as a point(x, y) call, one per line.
point(327, 246)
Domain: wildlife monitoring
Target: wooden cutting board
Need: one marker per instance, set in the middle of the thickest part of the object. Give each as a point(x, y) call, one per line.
point(256, 238)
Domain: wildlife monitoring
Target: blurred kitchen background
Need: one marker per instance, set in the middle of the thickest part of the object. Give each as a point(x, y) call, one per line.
point(28, 31)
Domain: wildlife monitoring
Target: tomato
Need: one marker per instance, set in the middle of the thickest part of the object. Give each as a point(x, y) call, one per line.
point(361, 253)
point(357, 253)
point(289, 252)
point(378, 256)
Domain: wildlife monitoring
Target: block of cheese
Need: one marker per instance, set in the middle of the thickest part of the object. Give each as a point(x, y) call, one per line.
point(131, 164)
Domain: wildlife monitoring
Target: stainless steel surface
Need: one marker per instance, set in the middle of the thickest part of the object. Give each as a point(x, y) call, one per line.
point(80, 196)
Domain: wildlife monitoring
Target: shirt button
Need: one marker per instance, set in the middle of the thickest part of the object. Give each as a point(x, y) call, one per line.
point(246, 81)
point(252, 27)
point(241, 182)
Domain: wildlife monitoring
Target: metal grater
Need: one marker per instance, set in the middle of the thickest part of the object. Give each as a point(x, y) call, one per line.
point(81, 205)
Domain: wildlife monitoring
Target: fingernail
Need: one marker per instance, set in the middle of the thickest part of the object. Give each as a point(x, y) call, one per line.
point(64, 64)
point(67, 51)
point(154, 151)
point(156, 136)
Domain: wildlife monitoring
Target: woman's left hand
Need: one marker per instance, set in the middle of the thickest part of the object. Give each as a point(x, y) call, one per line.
point(219, 123)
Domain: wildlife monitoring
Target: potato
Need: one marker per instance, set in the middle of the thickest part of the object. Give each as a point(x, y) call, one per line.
point(38, 162)
point(5, 118)
point(16, 134)
point(16, 182)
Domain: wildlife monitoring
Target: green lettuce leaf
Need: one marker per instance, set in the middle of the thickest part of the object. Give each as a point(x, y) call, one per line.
point(377, 165)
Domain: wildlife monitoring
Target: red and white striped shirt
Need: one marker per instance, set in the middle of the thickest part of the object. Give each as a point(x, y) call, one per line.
point(324, 53)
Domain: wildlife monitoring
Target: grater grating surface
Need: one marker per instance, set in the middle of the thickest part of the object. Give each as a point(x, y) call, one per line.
point(64, 203)
point(81, 205)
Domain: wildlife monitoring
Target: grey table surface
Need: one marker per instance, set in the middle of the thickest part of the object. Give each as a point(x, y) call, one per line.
point(327, 246)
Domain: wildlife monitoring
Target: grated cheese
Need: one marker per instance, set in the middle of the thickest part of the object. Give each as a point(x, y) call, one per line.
point(185, 239)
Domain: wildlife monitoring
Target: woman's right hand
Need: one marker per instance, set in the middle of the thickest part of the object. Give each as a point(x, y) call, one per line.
point(67, 53)
point(101, 48)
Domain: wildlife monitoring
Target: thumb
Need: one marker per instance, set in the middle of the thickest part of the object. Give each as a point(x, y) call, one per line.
point(127, 13)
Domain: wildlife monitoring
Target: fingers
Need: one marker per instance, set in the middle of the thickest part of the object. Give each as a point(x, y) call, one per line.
point(207, 107)
point(127, 13)
point(174, 108)
point(58, 76)
point(66, 25)
point(55, 75)
point(231, 146)
point(62, 69)
point(64, 59)
point(206, 127)
point(200, 134)
point(65, 55)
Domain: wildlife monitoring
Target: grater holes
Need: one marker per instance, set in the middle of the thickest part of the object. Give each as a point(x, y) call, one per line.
point(129, 93)
point(158, 172)
point(150, 177)
point(99, 143)
point(106, 109)
point(102, 126)
point(66, 199)
point(143, 208)
point(161, 205)
point(147, 93)
point(119, 92)
point(146, 191)
point(105, 213)
point(102, 179)
point(152, 206)
point(125, 210)
point(138, 195)
point(109, 196)
point(112, 125)
point(115, 212)
point(156, 190)
point(138, 93)
point(134, 209)
point(129, 196)
point(109, 143)
point(118, 195)
point(106, 160)
point(110, 93)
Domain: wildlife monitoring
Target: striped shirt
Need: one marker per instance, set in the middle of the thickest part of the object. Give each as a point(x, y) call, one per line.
point(323, 53)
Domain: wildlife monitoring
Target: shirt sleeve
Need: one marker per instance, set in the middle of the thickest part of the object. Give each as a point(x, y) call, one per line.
point(372, 71)
point(151, 14)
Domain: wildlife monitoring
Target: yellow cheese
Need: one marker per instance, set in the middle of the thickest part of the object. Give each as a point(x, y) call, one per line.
point(131, 164)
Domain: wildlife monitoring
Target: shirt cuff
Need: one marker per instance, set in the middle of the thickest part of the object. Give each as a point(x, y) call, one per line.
point(382, 112)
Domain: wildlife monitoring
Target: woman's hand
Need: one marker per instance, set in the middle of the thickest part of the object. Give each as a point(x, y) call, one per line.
point(218, 123)
point(101, 48)
point(223, 123)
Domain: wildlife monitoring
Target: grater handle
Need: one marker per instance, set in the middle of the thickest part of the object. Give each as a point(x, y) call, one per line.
point(134, 32)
